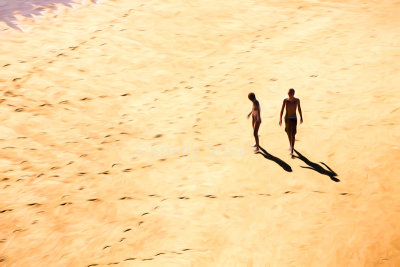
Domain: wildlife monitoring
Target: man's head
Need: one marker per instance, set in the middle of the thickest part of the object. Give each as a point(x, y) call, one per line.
point(291, 92)
point(252, 96)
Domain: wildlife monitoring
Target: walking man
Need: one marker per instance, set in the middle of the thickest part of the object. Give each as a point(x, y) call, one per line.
point(291, 104)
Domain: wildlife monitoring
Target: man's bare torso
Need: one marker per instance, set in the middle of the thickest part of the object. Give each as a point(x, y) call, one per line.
point(291, 106)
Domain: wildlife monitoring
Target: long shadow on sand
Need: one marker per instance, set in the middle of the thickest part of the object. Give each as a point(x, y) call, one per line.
point(316, 167)
point(9, 9)
point(278, 161)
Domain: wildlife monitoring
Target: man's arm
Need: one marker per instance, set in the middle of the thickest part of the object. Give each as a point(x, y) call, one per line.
point(283, 107)
point(301, 115)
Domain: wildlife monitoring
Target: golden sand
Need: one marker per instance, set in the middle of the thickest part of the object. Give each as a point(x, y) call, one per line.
point(124, 137)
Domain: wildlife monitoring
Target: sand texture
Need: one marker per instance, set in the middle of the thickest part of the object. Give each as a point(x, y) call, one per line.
point(124, 139)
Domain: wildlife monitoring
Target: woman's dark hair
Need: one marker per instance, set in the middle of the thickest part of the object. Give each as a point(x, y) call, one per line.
point(252, 96)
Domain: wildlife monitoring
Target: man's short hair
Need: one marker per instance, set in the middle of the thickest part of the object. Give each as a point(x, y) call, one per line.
point(252, 96)
point(291, 91)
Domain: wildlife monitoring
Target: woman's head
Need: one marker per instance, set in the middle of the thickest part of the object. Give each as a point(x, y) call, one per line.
point(252, 96)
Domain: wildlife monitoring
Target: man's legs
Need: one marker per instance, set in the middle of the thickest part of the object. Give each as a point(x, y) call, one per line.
point(289, 133)
point(292, 142)
point(293, 131)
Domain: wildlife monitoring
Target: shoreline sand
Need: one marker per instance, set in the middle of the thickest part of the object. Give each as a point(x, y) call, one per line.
point(124, 137)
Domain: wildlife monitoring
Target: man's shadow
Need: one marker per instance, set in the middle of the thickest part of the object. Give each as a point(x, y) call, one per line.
point(318, 168)
point(278, 161)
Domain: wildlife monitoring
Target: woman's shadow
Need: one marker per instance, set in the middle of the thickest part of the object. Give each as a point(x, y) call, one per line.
point(318, 168)
point(278, 161)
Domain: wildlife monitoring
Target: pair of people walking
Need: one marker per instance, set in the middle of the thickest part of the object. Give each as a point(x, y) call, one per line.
point(291, 104)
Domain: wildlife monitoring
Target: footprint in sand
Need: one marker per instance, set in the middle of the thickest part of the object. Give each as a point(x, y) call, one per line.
point(124, 198)
point(146, 166)
point(130, 259)
point(210, 196)
point(145, 214)
point(159, 254)
point(237, 196)
point(93, 199)
point(183, 198)
point(289, 192)
point(9, 93)
point(34, 204)
point(127, 230)
point(43, 105)
point(66, 203)
point(7, 210)
point(106, 247)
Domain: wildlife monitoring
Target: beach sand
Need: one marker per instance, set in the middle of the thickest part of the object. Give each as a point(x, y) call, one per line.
point(124, 137)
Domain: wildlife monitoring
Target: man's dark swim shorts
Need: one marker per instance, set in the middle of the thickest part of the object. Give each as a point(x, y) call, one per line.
point(291, 125)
